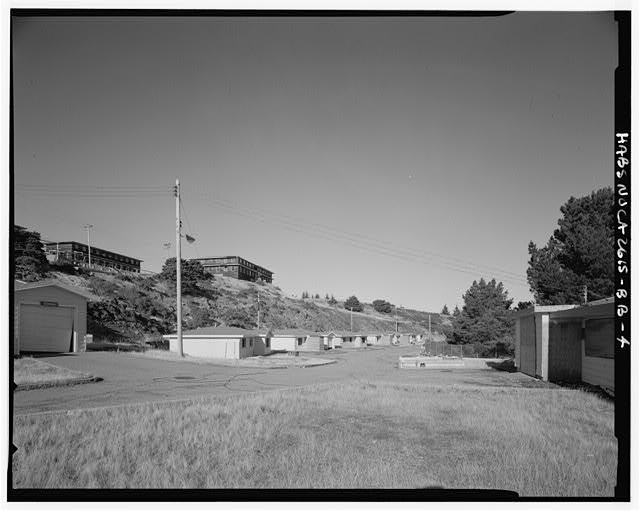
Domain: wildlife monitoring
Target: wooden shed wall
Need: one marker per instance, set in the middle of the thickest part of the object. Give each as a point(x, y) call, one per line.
point(599, 372)
point(528, 345)
point(565, 351)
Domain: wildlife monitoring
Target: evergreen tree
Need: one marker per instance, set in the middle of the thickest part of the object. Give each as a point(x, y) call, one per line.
point(29, 256)
point(456, 311)
point(333, 300)
point(485, 320)
point(191, 273)
point(580, 252)
point(353, 303)
point(445, 310)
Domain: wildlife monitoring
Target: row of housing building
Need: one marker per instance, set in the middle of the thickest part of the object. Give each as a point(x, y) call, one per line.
point(77, 253)
point(237, 343)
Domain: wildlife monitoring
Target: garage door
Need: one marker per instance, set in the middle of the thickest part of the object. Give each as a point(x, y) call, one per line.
point(528, 346)
point(46, 329)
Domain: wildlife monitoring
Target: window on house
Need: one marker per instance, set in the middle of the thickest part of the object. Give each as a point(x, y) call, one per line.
point(299, 341)
point(267, 342)
point(244, 343)
point(251, 342)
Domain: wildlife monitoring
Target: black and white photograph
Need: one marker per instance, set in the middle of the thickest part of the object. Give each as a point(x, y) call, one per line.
point(320, 255)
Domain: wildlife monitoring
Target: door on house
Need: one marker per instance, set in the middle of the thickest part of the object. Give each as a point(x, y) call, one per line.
point(46, 328)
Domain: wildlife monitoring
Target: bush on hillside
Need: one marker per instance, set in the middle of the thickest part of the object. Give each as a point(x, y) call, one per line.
point(382, 306)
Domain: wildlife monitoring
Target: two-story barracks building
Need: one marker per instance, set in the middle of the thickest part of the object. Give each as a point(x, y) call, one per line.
point(237, 267)
point(78, 254)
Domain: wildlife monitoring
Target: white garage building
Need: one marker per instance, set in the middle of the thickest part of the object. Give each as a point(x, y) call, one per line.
point(49, 317)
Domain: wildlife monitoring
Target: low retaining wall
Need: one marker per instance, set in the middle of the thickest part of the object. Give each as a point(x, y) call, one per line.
point(429, 362)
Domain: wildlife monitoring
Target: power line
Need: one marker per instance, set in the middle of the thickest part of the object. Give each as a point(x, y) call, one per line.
point(370, 241)
point(365, 238)
point(334, 235)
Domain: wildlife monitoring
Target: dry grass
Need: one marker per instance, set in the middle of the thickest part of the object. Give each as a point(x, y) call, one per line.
point(538, 442)
point(30, 372)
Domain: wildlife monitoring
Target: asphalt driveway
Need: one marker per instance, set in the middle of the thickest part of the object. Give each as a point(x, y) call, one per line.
point(129, 378)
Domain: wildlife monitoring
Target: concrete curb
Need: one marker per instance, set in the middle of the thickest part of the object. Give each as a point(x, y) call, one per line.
point(58, 383)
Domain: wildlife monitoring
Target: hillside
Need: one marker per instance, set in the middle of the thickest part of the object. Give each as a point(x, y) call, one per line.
point(139, 307)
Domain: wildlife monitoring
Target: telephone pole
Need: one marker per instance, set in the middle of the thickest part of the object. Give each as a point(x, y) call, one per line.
point(351, 319)
point(178, 271)
point(88, 228)
point(430, 338)
point(258, 309)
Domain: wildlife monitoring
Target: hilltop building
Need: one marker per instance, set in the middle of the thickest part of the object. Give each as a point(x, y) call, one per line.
point(77, 253)
point(236, 267)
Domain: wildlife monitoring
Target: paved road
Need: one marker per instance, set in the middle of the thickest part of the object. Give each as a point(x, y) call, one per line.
point(129, 378)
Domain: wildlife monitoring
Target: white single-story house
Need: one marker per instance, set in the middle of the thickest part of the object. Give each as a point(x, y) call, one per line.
point(405, 339)
point(360, 341)
point(49, 317)
point(568, 343)
point(296, 340)
point(332, 340)
point(385, 339)
point(222, 342)
point(373, 338)
point(348, 339)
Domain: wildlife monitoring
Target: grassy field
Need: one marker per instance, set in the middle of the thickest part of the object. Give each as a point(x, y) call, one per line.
point(29, 372)
point(537, 442)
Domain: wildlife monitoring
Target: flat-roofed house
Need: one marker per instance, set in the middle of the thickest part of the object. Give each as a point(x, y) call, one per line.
point(568, 343)
point(532, 339)
point(222, 342)
point(593, 326)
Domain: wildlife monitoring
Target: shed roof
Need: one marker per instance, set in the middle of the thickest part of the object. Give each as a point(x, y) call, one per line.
point(234, 332)
point(293, 333)
point(603, 308)
point(543, 309)
point(21, 285)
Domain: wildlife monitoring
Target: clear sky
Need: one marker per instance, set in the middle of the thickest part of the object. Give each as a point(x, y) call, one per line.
point(392, 158)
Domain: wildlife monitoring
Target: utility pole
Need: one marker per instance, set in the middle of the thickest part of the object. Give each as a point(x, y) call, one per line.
point(430, 338)
point(258, 309)
point(88, 228)
point(178, 272)
point(396, 320)
point(351, 319)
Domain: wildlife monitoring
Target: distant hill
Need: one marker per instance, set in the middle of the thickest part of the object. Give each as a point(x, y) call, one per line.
point(135, 308)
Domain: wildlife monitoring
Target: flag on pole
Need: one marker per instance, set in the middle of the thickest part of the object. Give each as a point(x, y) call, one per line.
point(189, 239)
